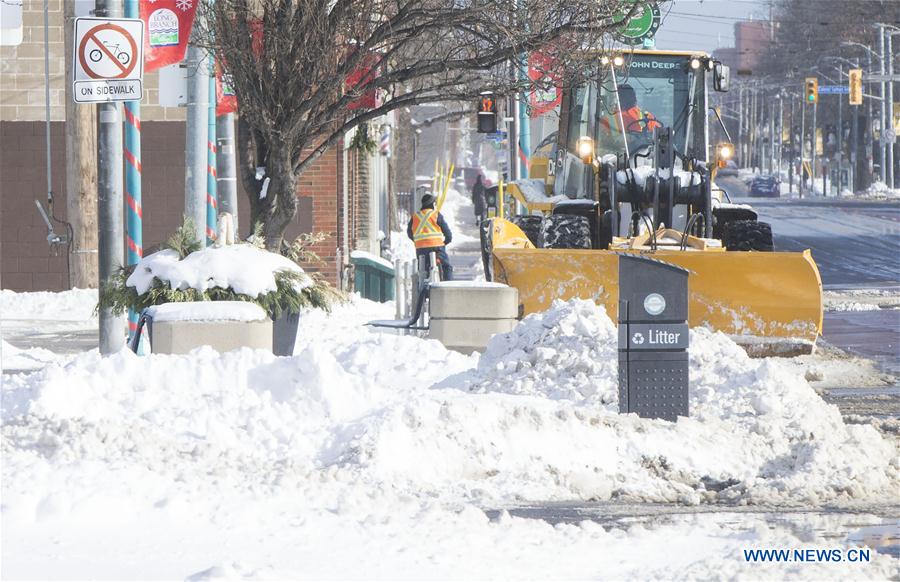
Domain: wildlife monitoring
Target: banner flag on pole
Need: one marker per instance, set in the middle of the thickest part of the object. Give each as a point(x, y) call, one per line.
point(546, 94)
point(168, 29)
point(226, 101)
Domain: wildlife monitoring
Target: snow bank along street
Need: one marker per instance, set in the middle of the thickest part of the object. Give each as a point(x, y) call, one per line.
point(375, 455)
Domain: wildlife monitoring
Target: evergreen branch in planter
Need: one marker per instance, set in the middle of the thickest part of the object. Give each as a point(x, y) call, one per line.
point(290, 294)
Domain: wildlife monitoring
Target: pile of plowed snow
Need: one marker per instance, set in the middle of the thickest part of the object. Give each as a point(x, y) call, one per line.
point(534, 419)
point(72, 305)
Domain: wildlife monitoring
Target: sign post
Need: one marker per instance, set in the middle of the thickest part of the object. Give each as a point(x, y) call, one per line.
point(109, 56)
point(107, 69)
point(134, 236)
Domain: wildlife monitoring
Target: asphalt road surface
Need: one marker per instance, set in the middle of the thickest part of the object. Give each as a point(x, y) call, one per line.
point(855, 243)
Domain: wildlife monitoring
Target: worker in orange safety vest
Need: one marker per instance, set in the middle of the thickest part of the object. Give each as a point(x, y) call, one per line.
point(431, 234)
point(634, 119)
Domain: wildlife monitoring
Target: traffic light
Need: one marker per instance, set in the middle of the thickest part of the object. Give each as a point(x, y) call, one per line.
point(856, 91)
point(812, 90)
point(487, 113)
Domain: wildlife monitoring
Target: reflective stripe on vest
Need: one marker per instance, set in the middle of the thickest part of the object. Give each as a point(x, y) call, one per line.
point(426, 232)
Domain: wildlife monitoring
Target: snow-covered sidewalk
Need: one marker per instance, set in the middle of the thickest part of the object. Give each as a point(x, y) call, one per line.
point(371, 455)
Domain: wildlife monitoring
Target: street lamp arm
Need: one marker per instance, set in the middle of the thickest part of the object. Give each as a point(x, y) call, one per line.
point(858, 44)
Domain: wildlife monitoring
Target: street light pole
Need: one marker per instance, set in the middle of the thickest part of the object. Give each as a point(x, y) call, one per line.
point(802, 143)
point(889, 57)
point(196, 127)
point(883, 105)
point(109, 198)
point(815, 150)
point(840, 134)
point(854, 142)
point(793, 146)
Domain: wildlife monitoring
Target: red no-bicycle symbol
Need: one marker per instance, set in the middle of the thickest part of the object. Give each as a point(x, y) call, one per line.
point(107, 51)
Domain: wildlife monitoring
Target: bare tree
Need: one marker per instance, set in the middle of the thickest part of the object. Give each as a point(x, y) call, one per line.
point(290, 61)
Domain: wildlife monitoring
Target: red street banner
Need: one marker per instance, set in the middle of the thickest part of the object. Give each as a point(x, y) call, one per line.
point(168, 27)
point(226, 102)
point(543, 72)
point(358, 81)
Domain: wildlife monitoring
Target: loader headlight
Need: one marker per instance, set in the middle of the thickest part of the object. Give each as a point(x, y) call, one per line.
point(604, 60)
point(695, 63)
point(585, 148)
point(618, 60)
point(726, 151)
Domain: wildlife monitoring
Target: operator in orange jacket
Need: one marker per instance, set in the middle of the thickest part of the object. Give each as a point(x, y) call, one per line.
point(634, 119)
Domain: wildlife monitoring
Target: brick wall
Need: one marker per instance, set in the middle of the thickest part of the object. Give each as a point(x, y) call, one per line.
point(26, 261)
point(319, 189)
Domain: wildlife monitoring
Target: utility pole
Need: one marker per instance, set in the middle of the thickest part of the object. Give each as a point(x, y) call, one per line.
point(889, 57)
point(81, 172)
point(513, 138)
point(884, 149)
point(854, 142)
point(793, 146)
point(195, 139)
point(740, 143)
point(771, 137)
point(815, 150)
point(840, 135)
point(802, 144)
point(870, 142)
point(226, 167)
point(109, 197)
point(780, 132)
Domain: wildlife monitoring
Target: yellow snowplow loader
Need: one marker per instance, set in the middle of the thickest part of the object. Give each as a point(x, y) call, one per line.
point(770, 303)
point(630, 173)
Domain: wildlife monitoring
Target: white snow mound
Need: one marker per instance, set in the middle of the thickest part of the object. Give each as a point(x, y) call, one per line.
point(356, 410)
point(72, 305)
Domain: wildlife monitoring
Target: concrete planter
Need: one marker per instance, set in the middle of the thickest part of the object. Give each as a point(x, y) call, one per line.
point(178, 328)
point(465, 315)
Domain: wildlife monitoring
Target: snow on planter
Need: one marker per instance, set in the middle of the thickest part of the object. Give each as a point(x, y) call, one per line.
point(207, 311)
point(246, 269)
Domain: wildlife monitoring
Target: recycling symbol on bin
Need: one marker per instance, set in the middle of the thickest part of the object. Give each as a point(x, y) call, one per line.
point(637, 338)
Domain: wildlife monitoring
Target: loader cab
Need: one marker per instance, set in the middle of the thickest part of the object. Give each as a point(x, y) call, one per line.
point(630, 95)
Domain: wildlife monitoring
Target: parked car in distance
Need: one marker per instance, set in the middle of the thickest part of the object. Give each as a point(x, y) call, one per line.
point(765, 186)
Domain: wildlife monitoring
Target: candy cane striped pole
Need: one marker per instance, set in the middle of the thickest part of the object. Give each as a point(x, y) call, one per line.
point(212, 203)
point(134, 236)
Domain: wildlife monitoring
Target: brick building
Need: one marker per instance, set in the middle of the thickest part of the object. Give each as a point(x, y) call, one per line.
point(751, 40)
point(28, 263)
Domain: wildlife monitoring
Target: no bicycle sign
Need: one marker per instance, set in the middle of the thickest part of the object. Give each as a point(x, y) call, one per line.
point(109, 60)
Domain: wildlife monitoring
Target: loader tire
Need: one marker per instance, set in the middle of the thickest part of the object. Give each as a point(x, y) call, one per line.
point(531, 226)
point(748, 235)
point(566, 231)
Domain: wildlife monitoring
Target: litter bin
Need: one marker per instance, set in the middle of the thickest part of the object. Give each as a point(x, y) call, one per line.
point(374, 276)
point(653, 338)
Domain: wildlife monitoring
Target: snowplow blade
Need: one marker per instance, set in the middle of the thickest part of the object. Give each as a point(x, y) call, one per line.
point(770, 303)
